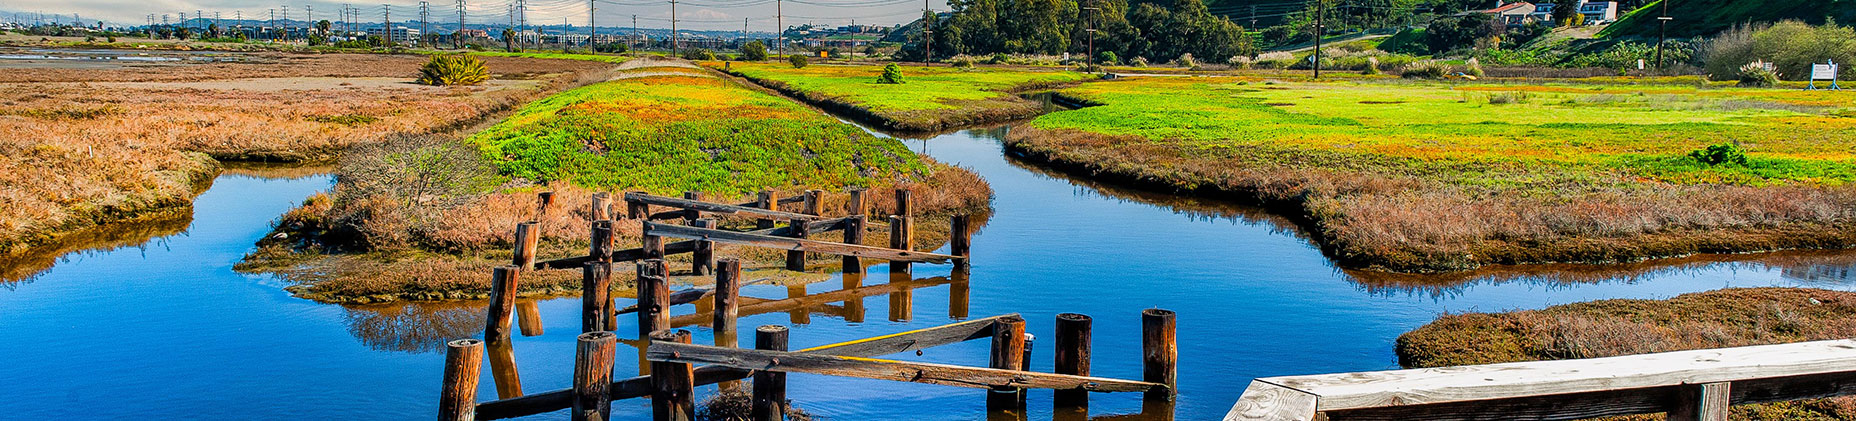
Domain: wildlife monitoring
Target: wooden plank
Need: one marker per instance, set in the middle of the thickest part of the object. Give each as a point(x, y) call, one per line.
point(681, 247)
point(793, 244)
point(1497, 381)
point(750, 308)
point(1579, 406)
point(912, 340)
point(715, 208)
point(873, 368)
point(1264, 401)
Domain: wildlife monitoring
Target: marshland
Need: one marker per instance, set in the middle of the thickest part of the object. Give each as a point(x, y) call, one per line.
point(299, 231)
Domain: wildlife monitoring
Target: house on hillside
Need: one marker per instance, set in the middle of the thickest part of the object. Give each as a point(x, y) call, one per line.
point(1597, 12)
point(1512, 14)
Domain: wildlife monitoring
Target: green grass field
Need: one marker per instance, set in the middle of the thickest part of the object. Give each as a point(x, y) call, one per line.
point(1431, 176)
point(614, 59)
point(932, 98)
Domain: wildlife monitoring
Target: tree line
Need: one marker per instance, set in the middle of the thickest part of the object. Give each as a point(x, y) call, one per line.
point(1052, 27)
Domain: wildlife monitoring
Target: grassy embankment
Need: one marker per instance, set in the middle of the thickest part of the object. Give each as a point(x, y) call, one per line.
point(370, 241)
point(116, 143)
point(1714, 319)
point(1413, 176)
point(931, 99)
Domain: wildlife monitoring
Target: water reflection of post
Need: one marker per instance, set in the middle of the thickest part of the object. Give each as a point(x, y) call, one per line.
point(902, 301)
point(800, 315)
point(528, 316)
point(727, 308)
point(854, 306)
point(959, 293)
point(503, 369)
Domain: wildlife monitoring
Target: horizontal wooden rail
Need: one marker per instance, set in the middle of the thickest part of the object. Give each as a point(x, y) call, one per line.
point(872, 368)
point(813, 300)
point(1684, 382)
point(682, 247)
point(637, 387)
point(721, 236)
point(716, 208)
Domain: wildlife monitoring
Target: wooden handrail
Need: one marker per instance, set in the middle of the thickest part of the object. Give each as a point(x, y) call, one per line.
point(1684, 382)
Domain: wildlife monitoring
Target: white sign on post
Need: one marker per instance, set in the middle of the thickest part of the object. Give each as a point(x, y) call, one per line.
point(1827, 71)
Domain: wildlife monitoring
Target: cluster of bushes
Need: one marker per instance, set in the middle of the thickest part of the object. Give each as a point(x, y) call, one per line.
point(1790, 46)
point(448, 70)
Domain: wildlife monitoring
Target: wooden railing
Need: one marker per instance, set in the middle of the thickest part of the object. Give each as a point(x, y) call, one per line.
point(1688, 385)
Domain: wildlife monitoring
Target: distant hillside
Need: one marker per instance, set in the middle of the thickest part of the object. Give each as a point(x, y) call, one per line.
point(1707, 17)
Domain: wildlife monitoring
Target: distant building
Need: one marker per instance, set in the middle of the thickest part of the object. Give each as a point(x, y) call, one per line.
point(400, 34)
point(1597, 12)
point(1512, 14)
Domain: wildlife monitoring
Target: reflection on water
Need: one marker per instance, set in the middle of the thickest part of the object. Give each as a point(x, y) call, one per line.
point(414, 327)
point(139, 235)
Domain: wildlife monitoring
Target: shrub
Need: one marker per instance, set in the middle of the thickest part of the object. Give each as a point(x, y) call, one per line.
point(1791, 46)
point(1758, 74)
point(1238, 62)
point(1108, 58)
point(1516, 97)
point(448, 70)
point(1425, 70)
point(698, 54)
point(999, 58)
point(962, 62)
point(798, 61)
point(396, 193)
point(892, 74)
point(1473, 67)
point(1138, 61)
point(1372, 66)
point(754, 51)
point(1274, 60)
point(1725, 153)
point(1186, 61)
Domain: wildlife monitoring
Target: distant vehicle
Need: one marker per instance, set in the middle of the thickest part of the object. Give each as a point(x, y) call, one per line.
point(1460, 76)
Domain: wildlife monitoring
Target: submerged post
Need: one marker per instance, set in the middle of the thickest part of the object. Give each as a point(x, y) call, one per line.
point(727, 299)
point(702, 260)
point(503, 288)
point(769, 200)
point(1159, 353)
point(601, 248)
point(593, 376)
point(959, 240)
point(595, 297)
point(653, 297)
point(527, 235)
point(457, 401)
point(691, 215)
point(673, 397)
point(1008, 353)
point(769, 402)
point(1072, 349)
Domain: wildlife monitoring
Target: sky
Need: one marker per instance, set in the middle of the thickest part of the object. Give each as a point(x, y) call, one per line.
point(691, 14)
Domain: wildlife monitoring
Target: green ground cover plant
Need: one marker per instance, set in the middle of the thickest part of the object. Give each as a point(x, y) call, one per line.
point(1405, 175)
point(935, 98)
point(614, 59)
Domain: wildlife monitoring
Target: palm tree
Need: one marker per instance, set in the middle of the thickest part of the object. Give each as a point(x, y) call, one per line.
point(323, 27)
point(509, 39)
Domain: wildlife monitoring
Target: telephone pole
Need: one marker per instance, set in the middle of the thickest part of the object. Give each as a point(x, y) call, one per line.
point(592, 29)
point(673, 28)
point(1092, 35)
point(425, 26)
point(927, 34)
point(458, 39)
point(286, 23)
point(386, 16)
point(1321, 12)
point(779, 28)
point(634, 42)
point(1662, 33)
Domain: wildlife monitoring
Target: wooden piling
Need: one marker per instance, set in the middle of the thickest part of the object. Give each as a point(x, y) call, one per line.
point(1159, 353)
point(691, 215)
point(769, 200)
point(905, 203)
point(1702, 402)
point(527, 235)
point(652, 245)
point(457, 401)
point(593, 376)
point(503, 289)
point(1008, 353)
point(854, 205)
point(544, 201)
point(854, 234)
point(600, 209)
point(674, 385)
point(702, 261)
point(1072, 357)
point(595, 297)
point(769, 402)
point(653, 297)
point(601, 248)
point(960, 239)
point(727, 299)
point(796, 259)
point(814, 202)
point(900, 239)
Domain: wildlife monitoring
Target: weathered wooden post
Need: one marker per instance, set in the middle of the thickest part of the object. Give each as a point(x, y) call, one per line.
point(602, 203)
point(1008, 353)
point(959, 240)
point(899, 239)
point(702, 260)
point(673, 397)
point(593, 376)
point(528, 317)
point(854, 234)
point(527, 235)
point(503, 369)
point(503, 288)
point(727, 300)
point(1159, 353)
point(652, 245)
point(813, 203)
point(855, 204)
point(1072, 349)
point(796, 259)
point(601, 248)
point(653, 297)
point(769, 200)
point(1702, 402)
point(595, 297)
point(457, 401)
point(691, 215)
point(637, 210)
point(769, 402)
point(543, 202)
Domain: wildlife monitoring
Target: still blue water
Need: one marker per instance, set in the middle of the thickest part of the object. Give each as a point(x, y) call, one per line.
point(167, 330)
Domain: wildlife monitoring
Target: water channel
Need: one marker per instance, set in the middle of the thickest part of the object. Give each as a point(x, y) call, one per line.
point(157, 325)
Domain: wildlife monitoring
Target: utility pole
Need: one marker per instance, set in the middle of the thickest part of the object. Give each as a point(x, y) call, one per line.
point(744, 32)
point(522, 21)
point(673, 28)
point(1662, 32)
point(1321, 12)
point(927, 34)
point(634, 42)
point(592, 29)
point(270, 24)
point(286, 23)
point(386, 16)
point(779, 28)
point(1253, 16)
point(425, 26)
point(458, 39)
point(860, 31)
point(309, 15)
point(1092, 35)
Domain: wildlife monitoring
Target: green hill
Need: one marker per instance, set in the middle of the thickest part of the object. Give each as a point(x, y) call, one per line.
point(1707, 17)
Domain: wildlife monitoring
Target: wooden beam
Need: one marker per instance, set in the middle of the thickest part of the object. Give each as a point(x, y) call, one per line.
point(793, 243)
point(681, 247)
point(913, 340)
point(1263, 401)
point(750, 307)
point(715, 208)
point(873, 368)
